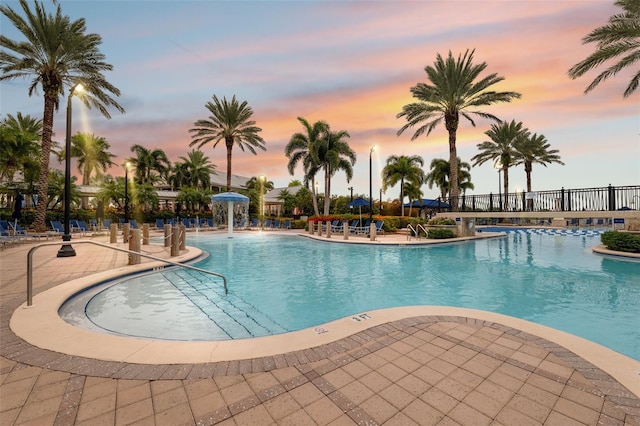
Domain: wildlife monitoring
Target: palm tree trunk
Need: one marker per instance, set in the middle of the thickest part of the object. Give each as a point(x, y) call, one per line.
point(453, 169)
point(229, 143)
point(327, 191)
point(315, 196)
point(505, 172)
point(43, 180)
point(402, 196)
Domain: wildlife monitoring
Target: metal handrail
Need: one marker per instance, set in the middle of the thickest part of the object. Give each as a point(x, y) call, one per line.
point(423, 230)
point(413, 232)
point(34, 248)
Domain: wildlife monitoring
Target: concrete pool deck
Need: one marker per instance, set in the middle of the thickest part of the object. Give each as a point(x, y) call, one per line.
point(416, 365)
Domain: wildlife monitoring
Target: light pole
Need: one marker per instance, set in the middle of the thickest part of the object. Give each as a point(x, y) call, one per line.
point(261, 178)
point(126, 192)
point(67, 250)
point(498, 166)
point(351, 189)
point(373, 148)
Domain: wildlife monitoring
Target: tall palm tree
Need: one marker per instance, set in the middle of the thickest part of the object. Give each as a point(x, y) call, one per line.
point(332, 154)
point(149, 165)
point(618, 40)
point(401, 168)
point(229, 122)
point(453, 92)
point(501, 148)
point(57, 53)
point(92, 153)
point(199, 169)
point(298, 150)
point(178, 175)
point(535, 149)
point(19, 147)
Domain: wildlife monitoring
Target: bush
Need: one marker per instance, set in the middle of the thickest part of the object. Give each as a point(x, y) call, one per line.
point(439, 234)
point(621, 241)
point(441, 221)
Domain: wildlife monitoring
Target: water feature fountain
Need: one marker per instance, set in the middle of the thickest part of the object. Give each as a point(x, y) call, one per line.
point(237, 210)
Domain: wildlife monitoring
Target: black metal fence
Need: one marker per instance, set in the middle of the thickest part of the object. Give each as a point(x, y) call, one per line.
point(606, 198)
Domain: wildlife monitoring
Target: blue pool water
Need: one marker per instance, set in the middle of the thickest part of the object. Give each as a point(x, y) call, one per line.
point(280, 283)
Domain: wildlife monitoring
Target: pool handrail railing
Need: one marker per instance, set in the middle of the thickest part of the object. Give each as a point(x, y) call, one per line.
point(159, 259)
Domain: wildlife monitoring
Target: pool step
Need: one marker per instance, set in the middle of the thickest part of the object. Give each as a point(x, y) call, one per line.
point(236, 318)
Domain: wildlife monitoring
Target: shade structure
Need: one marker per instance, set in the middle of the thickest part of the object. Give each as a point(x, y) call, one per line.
point(230, 198)
point(359, 202)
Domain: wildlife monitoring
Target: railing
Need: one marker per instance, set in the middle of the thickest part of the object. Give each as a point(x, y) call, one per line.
point(608, 198)
point(148, 256)
point(416, 231)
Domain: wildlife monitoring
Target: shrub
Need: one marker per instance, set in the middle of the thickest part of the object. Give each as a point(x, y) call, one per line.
point(442, 221)
point(621, 241)
point(439, 234)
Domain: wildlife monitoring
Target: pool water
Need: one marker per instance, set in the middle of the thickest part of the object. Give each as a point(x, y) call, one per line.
point(280, 283)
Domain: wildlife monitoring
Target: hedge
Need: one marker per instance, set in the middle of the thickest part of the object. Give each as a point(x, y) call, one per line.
point(621, 241)
point(439, 234)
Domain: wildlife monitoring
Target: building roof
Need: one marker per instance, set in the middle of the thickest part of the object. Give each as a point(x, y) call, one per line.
point(272, 196)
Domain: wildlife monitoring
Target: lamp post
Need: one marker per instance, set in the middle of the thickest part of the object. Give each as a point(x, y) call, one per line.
point(67, 250)
point(126, 192)
point(261, 178)
point(351, 189)
point(498, 166)
point(373, 148)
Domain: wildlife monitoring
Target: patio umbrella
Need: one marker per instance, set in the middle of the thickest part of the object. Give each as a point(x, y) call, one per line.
point(359, 202)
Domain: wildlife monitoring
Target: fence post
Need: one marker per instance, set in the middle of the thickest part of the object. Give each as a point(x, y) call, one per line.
point(568, 200)
point(612, 197)
point(145, 234)
point(562, 199)
point(319, 228)
point(310, 224)
point(126, 227)
point(175, 241)
point(167, 235)
point(134, 245)
point(491, 201)
point(183, 237)
point(328, 228)
point(345, 229)
point(372, 231)
point(113, 233)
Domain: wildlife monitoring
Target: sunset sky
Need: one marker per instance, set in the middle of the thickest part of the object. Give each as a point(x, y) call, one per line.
point(351, 63)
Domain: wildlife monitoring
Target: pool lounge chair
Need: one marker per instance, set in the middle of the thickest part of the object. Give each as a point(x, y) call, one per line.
point(287, 224)
point(106, 224)
point(133, 224)
point(362, 229)
point(254, 223)
point(56, 226)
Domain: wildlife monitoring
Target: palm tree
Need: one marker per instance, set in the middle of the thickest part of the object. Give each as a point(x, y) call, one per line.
point(439, 176)
point(452, 93)
point(179, 175)
point(257, 187)
point(501, 148)
point(231, 122)
point(146, 195)
point(298, 150)
point(535, 149)
point(198, 168)
point(19, 146)
point(92, 154)
point(149, 165)
point(412, 192)
point(618, 40)
point(56, 54)
point(332, 154)
point(400, 168)
point(440, 172)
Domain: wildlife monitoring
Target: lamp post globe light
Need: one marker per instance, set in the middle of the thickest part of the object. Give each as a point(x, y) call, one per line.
point(126, 192)
point(373, 148)
point(498, 166)
point(67, 250)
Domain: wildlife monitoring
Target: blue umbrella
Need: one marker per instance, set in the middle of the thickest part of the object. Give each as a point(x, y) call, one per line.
point(359, 202)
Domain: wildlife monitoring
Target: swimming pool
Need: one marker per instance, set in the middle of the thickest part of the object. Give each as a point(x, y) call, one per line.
point(280, 283)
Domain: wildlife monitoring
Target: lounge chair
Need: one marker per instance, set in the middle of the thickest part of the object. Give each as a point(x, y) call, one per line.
point(6, 239)
point(287, 224)
point(254, 223)
point(336, 226)
point(362, 229)
point(210, 222)
point(276, 224)
point(106, 224)
point(379, 228)
point(267, 224)
point(83, 225)
point(57, 227)
point(133, 224)
point(75, 227)
point(159, 224)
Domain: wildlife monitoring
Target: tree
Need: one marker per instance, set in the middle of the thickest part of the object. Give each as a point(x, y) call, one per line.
point(92, 154)
point(229, 122)
point(413, 193)
point(439, 176)
point(453, 92)
point(19, 146)
point(618, 40)
point(198, 169)
point(149, 165)
point(401, 168)
point(57, 53)
point(257, 187)
point(501, 148)
point(145, 195)
point(535, 149)
point(332, 154)
point(299, 149)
